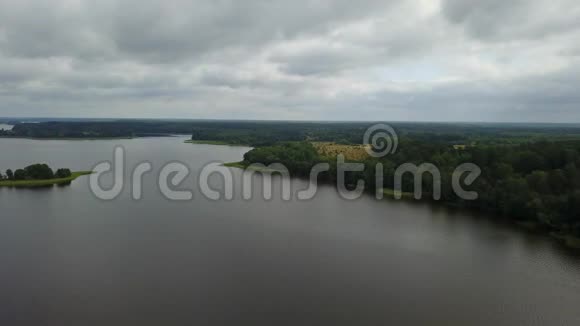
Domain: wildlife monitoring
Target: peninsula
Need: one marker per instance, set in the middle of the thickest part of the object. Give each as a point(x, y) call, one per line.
point(38, 175)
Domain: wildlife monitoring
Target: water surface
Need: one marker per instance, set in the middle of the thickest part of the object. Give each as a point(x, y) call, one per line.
point(5, 126)
point(68, 258)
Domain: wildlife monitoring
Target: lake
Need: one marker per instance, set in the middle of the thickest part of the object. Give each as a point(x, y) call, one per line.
point(68, 258)
point(5, 126)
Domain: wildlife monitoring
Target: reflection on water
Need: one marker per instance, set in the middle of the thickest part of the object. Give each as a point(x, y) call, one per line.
point(70, 259)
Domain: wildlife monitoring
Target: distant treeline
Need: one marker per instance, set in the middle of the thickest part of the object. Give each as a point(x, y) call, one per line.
point(535, 183)
point(35, 172)
point(270, 133)
point(261, 133)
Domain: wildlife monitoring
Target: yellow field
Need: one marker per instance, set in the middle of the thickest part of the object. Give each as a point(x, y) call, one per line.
point(350, 152)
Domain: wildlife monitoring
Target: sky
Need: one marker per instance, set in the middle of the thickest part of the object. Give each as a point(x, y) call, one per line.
point(370, 60)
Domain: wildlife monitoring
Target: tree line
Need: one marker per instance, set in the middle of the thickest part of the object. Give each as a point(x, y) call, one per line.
point(35, 172)
point(530, 182)
point(262, 133)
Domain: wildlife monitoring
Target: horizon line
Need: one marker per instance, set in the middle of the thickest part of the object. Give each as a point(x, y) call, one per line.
point(63, 119)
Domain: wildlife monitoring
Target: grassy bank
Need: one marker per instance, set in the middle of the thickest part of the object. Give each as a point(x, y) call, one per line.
point(42, 183)
point(239, 165)
point(568, 240)
point(390, 193)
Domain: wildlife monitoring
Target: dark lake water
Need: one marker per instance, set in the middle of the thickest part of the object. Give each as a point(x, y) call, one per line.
point(68, 258)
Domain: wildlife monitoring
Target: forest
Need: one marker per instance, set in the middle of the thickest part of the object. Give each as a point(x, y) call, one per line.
point(535, 184)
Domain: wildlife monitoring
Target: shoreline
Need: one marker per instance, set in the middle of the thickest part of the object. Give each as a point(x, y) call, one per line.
point(387, 192)
point(213, 142)
point(566, 240)
point(42, 183)
point(67, 138)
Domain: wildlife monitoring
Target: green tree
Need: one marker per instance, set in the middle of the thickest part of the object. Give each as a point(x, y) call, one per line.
point(39, 172)
point(62, 173)
point(20, 174)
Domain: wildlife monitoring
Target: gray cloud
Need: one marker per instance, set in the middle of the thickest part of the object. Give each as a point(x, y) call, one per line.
point(496, 20)
point(365, 60)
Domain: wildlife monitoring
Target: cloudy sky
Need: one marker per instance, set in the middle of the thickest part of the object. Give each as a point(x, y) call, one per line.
point(425, 60)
